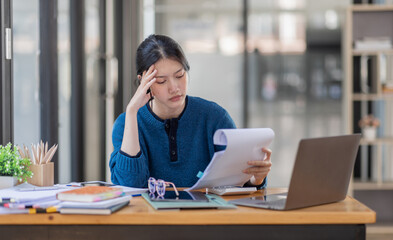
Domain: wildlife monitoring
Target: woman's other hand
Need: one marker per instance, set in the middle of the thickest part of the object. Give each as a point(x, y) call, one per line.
point(141, 96)
point(259, 169)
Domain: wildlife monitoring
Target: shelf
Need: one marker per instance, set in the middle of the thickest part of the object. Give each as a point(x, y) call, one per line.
point(380, 228)
point(357, 52)
point(370, 21)
point(377, 141)
point(372, 186)
point(371, 96)
point(372, 7)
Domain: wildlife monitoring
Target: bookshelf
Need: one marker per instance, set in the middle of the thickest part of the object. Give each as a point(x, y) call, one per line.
point(368, 88)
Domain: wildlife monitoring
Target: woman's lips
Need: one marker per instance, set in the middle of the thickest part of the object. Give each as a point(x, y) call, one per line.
point(175, 98)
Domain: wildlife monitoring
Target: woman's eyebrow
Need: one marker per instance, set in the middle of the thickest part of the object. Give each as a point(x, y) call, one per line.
point(178, 71)
point(173, 73)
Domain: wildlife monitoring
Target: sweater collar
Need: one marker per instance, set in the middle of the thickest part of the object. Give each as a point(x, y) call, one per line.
point(163, 120)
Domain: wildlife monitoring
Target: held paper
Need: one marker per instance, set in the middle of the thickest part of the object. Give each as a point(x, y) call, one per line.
point(243, 145)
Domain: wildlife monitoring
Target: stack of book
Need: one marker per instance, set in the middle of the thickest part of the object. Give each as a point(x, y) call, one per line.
point(99, 200)
point(370, 43)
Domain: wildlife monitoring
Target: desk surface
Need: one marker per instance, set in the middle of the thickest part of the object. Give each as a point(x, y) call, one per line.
point(139, 212)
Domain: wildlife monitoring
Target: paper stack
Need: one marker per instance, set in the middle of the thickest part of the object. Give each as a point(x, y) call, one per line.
point(27, 198)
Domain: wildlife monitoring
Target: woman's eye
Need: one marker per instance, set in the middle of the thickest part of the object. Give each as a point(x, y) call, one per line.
point(161, 82)
point(180, 76)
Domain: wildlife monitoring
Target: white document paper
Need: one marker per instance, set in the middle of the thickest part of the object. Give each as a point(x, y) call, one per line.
point(29, 197)
point(131, 190)
point(243, 145)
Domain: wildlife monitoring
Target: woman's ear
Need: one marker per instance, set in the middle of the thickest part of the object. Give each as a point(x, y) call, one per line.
point(138, 79)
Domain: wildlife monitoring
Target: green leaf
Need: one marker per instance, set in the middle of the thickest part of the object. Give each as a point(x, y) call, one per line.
point(11, 164)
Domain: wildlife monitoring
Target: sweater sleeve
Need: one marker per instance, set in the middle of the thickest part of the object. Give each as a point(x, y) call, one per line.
point(225, 122)
point(261, 186)
point(126, 170)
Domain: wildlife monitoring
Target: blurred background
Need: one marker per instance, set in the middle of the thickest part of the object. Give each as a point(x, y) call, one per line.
point(271, 63)
point(275, 64)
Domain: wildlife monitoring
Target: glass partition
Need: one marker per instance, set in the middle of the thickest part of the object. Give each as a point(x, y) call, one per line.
point(26, 71)
point(64, 68)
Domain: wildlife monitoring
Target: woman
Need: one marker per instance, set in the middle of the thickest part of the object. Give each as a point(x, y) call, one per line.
point(164, 133)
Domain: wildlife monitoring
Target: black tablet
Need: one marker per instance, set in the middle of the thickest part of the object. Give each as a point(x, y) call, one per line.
point(183, 196)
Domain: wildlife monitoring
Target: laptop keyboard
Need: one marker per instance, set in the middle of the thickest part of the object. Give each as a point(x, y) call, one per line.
point(274, 201)
point(277, 204)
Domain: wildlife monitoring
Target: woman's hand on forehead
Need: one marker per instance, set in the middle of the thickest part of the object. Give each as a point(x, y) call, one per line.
point(149, 74)
point(141, 96)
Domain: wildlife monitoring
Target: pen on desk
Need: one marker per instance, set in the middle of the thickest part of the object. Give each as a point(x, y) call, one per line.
point(43, 210)
point(7, 200)
point(16, 205)
point(37, 205)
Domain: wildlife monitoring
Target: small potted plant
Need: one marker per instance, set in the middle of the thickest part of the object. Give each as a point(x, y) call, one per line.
point(369, 125)
point(13, 167)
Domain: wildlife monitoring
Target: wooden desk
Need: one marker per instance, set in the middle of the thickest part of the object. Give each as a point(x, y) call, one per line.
point(341, 220)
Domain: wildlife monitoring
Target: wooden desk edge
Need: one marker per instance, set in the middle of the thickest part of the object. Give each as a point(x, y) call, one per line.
point(140, 213)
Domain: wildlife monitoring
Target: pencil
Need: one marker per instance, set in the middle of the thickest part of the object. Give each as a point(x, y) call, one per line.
point(20, 152)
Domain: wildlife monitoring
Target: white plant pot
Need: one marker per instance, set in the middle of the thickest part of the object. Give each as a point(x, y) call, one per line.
point(369, 133)
point(7, 181)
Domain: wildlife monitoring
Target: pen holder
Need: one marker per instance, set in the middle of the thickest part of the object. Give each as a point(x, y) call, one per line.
point(43, 174)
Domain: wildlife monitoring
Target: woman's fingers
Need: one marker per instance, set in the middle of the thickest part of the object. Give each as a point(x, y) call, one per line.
point(147, 79)
point(257, 170)
point(141, 97)
point(148, 85)
point(259, 163)
point(258, 167)
point(148, 75)
point(268, 153)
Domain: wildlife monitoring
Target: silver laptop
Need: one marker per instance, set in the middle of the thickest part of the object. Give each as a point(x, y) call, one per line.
point(321, 174)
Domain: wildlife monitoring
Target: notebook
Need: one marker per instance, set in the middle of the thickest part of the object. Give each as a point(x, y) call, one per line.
point(90, 194)
point(94, 211)
point(321, 174)
point(100, 204)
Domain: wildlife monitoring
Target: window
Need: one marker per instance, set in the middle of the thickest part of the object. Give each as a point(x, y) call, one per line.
point(26, 72)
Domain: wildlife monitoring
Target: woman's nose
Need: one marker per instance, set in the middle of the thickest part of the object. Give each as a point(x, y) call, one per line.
point(172, 87)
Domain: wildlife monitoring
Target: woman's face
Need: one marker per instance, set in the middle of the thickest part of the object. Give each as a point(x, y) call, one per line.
point(170, 88)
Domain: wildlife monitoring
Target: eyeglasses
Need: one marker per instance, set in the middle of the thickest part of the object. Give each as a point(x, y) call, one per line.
point(159, 186)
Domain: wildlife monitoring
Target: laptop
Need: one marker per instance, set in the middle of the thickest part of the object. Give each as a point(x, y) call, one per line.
point(321, 174)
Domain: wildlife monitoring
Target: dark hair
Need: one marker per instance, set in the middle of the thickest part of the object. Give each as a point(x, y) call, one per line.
point(156, 47)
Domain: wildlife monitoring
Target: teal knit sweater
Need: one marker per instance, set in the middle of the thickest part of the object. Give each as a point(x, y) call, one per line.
point(174, 150)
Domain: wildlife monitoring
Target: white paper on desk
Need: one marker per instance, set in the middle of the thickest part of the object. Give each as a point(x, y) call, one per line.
point(131, 190)
point(243, 145)
point(30, 197)
point(4, 210)
point(127, 190)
